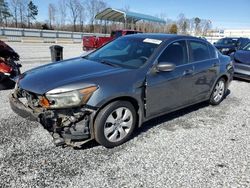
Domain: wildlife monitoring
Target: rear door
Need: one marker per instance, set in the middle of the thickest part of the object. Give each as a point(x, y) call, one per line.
point(166, 91)
point(204, 59)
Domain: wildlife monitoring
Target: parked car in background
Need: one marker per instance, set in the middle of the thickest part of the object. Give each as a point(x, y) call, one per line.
point(229, 45)
point(9, 68)
point(132, 79)
point(94, 42)
point(241, 59)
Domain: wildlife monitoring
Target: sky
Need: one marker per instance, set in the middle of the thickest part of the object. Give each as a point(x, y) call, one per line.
point(224, 14)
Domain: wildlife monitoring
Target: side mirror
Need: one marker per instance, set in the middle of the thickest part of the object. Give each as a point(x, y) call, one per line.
point(165, 67)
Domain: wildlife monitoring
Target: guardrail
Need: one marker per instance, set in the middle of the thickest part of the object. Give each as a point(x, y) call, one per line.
point(36, 35)
point(51, 36)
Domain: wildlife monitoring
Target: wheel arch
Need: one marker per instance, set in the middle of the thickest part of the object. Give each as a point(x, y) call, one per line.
point(226, 77)
point(136, 104)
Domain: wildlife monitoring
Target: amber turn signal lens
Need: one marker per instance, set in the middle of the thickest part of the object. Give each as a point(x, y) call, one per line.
point(87, 92)
point(44, 102)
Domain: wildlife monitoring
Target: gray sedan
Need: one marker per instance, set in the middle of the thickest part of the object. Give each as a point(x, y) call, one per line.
point(109, 92)
point(241, 59)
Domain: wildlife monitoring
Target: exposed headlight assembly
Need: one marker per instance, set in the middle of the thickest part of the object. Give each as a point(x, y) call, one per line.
point(67, 99)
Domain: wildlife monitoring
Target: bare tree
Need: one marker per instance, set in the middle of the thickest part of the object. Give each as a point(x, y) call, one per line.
point(14, 9)
point(51, 14)
point(126, 8)
point(81, 16)
point(19, 11)
point(197, 22)
point(22, 9)
point(206, 25)
point(183, 24)
point(62, 12)
point(93, 7)
point(74, 8)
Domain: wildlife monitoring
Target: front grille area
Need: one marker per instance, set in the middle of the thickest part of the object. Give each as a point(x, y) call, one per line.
point(27, 98)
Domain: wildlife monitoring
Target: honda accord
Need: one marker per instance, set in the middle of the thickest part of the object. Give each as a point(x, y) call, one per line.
point(107, 93)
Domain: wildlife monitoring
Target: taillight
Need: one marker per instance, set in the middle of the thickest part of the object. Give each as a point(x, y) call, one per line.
point(4, 68)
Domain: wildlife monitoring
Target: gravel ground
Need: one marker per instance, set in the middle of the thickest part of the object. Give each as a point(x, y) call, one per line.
point(201, 146)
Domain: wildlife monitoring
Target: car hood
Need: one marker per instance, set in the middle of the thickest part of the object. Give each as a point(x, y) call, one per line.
point(242, 56)
point(55, 75)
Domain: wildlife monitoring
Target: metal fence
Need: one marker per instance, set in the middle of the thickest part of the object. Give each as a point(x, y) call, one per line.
point(36, 35)
point(51, 36)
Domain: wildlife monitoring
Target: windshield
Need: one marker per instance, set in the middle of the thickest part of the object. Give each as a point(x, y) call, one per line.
point(227, 41)
point(124, 52)
point(247, 47)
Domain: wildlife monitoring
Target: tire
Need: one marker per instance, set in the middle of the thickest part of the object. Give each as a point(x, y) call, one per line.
point(115, 123)
point(7, 84)
point(218, 93)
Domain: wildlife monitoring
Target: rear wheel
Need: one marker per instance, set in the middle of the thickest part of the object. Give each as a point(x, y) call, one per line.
point(218, 93)
point(115, 123)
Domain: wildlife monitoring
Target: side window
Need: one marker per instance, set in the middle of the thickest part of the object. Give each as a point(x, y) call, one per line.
point(199, 51)
point(213, 51)
point(175, 53)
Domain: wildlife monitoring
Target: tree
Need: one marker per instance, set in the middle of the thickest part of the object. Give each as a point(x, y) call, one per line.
point(4, 12)
point(74, 7)
point(45, 26)
point(22, 8)
point(32, 12)
point(206, 26)
point(183, 24)
point(81, 16)
point(173, 29)
point(126, 8)
point(14, 6)
point(51, 14)
point(93, 7)
point(197, 22)
point(62, 12)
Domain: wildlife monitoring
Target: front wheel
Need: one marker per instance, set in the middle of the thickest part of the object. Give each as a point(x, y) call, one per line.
point(218, 93)
point(115, 123)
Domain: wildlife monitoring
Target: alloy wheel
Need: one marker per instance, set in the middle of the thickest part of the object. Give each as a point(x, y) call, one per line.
point(219, 91)
point(118, 124)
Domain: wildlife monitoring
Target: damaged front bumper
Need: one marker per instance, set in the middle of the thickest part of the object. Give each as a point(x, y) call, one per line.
point(72, 126)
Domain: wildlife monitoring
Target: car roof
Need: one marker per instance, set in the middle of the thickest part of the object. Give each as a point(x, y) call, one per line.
point(161, 36)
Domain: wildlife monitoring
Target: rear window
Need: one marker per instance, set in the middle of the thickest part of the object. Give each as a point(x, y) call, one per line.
point(199, 51)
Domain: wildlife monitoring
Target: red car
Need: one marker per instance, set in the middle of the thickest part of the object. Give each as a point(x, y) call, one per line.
point(93, 42)
point(9, 68)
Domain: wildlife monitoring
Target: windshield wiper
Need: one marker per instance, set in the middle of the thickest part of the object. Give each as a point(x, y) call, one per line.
point(108, 63)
